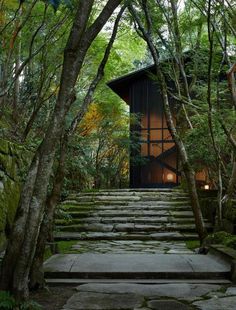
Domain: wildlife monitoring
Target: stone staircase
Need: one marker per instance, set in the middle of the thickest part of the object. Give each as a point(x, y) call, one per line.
point(141, 214)
point(130, 236)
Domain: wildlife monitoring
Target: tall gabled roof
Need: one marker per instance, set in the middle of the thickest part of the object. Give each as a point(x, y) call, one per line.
point(121, 85)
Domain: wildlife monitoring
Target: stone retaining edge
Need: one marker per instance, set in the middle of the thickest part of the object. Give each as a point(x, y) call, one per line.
point(226, 254)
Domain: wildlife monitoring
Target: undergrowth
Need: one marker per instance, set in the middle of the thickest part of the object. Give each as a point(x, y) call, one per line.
point(7, 302)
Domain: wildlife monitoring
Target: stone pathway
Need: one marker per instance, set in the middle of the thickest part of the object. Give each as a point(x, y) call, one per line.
point(181, 296)
point(131, 254)
point(132, 246)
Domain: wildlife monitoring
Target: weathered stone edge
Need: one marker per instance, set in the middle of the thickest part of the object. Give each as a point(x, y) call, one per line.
point(228, 255)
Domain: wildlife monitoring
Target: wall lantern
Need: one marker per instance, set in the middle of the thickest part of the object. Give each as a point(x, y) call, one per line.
point(170, 177)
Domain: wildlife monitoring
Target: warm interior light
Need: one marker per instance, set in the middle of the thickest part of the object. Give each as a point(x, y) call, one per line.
point(170, 177)
point(206, 186)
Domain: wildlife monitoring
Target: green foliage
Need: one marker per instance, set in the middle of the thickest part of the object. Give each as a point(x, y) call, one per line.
point(7, 302)
point(192, 244)
point(63, 247)
point(30, 305)
point(223, 238)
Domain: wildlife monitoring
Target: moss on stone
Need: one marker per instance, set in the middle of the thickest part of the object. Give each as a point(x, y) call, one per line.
point(192, 244)
point(13, 159)
point(4, 149)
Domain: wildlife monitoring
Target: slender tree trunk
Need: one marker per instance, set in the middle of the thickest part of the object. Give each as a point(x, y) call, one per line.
point(46, 229)
point(16, 92)
point(20, 251)
point(231, 186)
point(188, 171)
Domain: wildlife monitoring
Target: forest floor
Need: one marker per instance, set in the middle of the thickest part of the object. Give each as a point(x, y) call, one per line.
point(52, 298)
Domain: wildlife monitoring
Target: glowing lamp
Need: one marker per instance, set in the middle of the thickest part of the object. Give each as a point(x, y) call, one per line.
point(170, 177)
point(206, 186)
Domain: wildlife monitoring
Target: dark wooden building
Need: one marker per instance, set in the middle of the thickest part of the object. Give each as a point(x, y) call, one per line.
point(159, 167)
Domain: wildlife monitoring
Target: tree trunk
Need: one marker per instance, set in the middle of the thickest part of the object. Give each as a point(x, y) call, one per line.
point(188, 171)
point(18, 229)
point(46, 230)
point(16, 91)
point(21, 249)
point(231, 186)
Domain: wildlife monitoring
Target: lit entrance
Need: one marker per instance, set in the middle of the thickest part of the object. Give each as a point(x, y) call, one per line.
point(159, 164)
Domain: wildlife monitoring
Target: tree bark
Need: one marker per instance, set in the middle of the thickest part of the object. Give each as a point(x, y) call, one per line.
point(45, 234)
point(188, 171)
point(46, 231)
point(231, 186)
point(20, 251)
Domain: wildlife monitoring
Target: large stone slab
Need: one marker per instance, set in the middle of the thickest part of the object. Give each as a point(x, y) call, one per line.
point(104, 301)
point(160, 236)
point(177, 290)
point(120, 266)
point(143, 297)
point(225, 303)
point(168, 305)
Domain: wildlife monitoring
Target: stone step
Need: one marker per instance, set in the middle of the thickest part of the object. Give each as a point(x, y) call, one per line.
point(164, 198)
point(125, 208)
point(123, 203)
point(96, 236)
point(129, 227)
point(113, 220)
point(108, 198)
point(163, 189)
point(124, 213)
point(75, 282)
point(135, 266)
point(131, 246)
point(133, 192)
point(154, 228)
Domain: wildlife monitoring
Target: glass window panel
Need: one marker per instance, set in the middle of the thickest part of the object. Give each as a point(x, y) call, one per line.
point(144, 149)
point(201, 176)
point(155, 120)
point(167, 135)
point(155, 149)
point(167, 146)
point(155, 134)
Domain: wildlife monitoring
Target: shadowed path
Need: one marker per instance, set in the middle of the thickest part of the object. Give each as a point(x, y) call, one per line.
point(131, 254)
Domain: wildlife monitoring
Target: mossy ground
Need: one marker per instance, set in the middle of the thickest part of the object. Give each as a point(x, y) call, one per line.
point(192, 244)
point(63, 247)
point(222, 237)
